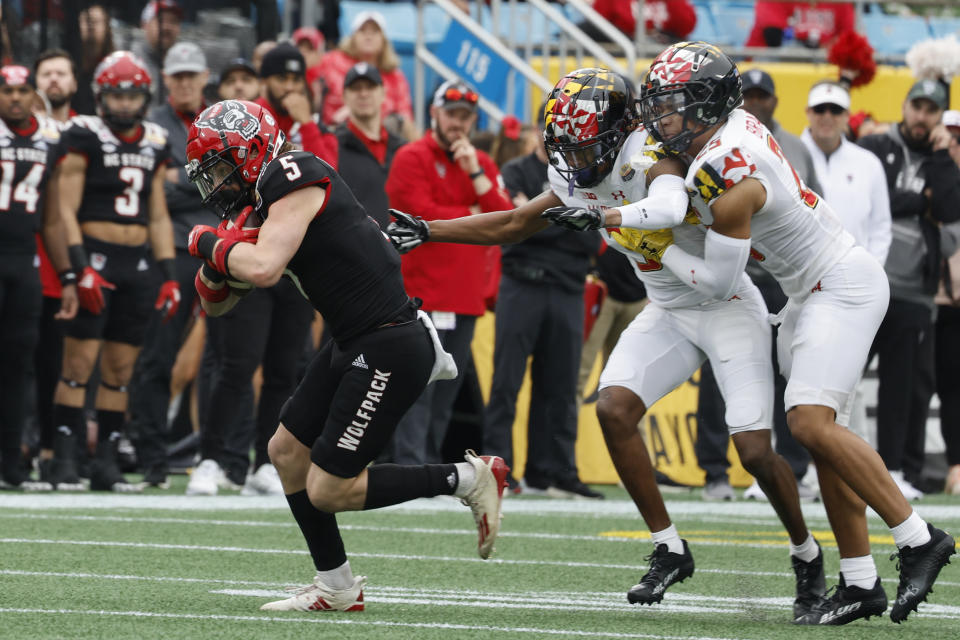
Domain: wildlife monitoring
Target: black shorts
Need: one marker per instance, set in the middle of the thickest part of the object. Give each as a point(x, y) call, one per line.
point(127, 308)
point(354, 394)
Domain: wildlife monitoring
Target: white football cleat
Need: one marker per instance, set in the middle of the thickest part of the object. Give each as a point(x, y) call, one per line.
point(319, 597)
point(486, 497)
point(205, 479)
point(265, 482)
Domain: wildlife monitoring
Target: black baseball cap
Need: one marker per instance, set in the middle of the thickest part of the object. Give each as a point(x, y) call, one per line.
point(283, 58)
point(454, 94)
point(237, 64)
point(758, 79)
point(362, 70)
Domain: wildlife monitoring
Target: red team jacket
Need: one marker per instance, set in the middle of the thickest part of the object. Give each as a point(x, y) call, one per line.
point(423, 181)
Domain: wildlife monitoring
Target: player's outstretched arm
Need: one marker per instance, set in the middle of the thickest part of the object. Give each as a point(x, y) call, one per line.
point(496, 227)
point(727, 245)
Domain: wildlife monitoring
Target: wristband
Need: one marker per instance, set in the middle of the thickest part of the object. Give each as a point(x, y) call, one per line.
point(206, 244)
point(78, 257)
point(211, 274)
point(476, 174)
point(67, 277)
point(169, 268)
point(207, 293)
point(220, 253)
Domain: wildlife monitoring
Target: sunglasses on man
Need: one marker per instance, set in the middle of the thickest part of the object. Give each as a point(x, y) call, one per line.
point(454, 94)
point(834, 109)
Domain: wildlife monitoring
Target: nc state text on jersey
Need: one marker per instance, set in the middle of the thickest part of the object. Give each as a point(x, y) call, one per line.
point(26, 154)
point(129, 160)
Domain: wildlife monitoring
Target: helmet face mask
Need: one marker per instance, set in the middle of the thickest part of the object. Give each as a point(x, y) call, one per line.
point(218, 181)
point(587, 118)
point(690, 84)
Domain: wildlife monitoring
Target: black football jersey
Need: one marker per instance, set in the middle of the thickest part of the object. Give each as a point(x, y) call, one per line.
point(27, 158)
point(345, 266)
point(120, 172)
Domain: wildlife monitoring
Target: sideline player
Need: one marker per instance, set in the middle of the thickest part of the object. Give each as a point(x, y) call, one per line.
point(755, 203)
point(112, 202)
point(29, 151)
point(600, 157)
point(310, 228)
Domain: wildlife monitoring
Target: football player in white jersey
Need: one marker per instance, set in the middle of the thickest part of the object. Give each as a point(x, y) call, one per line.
point(754, 203)
point(601, 157)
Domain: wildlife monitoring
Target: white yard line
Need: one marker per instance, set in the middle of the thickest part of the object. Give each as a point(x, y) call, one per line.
point(581, 508)
point(333, 619)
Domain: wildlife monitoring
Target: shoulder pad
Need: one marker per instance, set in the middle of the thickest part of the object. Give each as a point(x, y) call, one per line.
point(288, 172)
point(154, 134)
point(718, 168)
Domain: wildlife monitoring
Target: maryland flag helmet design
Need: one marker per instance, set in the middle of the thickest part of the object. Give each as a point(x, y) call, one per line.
point(587, 117)
point(695, 81)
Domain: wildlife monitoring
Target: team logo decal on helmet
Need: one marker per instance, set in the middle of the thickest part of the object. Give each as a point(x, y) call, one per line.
point(587, 117)
point(231, 115)
point(227, 148)
point(694, 81)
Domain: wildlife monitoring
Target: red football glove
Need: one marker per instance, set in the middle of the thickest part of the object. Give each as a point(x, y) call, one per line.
point(90, 290)
point(237, 233)
point(169, 298)
point(198, 237)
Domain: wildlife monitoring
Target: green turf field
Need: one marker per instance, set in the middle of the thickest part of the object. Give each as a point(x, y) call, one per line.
point(163, 565)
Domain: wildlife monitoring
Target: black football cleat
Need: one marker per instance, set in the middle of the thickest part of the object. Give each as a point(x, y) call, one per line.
point(666, 569)
point(811, 583)
point(846, 604)
point(105, 472)
point(918, 570)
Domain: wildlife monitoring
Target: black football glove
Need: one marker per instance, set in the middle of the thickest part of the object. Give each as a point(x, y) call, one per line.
point(575, 218)
point(407, 232)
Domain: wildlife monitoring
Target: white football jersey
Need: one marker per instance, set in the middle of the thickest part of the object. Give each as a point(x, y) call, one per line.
point(795, 236)
point(624, 185)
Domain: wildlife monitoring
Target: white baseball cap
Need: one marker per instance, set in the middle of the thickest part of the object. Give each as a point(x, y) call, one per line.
point(365, 16)
point(829, 93)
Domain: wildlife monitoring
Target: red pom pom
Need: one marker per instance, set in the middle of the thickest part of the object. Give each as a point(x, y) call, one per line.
point(854, 55)
point(511, 127)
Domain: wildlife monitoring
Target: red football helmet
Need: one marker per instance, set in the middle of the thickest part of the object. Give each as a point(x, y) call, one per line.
point(227, 148)
point(121, 72)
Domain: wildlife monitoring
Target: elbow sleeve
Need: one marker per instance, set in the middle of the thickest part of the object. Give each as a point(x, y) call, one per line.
point(664, 207)
point(725, 258)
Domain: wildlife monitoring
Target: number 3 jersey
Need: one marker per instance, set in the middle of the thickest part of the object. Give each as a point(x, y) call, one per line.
point(345, 265)
point(795, 235)
point(119, 176)
point(27, 158)
point(626, 184)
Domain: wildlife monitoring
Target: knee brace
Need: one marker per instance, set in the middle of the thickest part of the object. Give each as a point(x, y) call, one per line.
point(73, 384)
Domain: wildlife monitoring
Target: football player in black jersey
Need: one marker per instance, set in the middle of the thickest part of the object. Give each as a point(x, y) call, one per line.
point(289, 213)
point(29, 150)
point(112, 201)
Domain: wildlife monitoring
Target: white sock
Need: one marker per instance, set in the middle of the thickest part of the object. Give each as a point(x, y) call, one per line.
point(468, 478)
point(912, 532)
point(859, 572)
point(669, 537)
point(807, 550)
point(339, 578)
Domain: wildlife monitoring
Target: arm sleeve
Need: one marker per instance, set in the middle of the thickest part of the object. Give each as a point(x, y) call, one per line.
point(880, 233)
point(320, 143)
point(718, 273)
point(409, 189)
point(665, 205)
